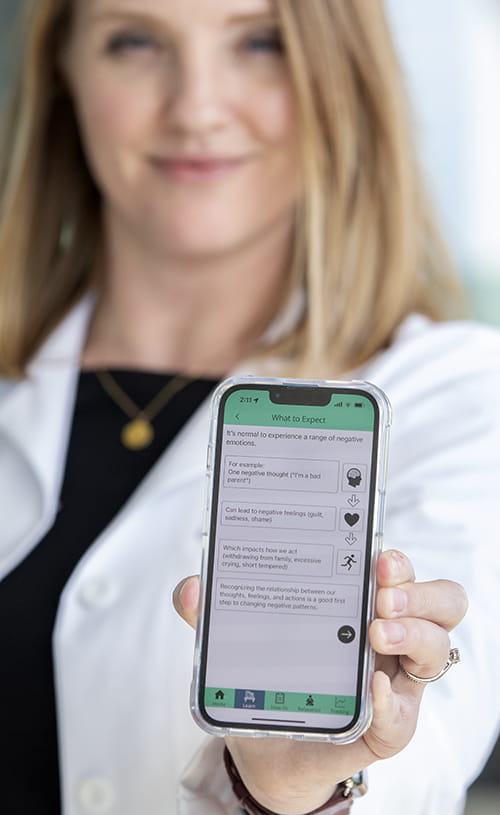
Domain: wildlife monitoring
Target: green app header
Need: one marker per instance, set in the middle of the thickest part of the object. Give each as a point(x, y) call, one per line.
point(345, 411)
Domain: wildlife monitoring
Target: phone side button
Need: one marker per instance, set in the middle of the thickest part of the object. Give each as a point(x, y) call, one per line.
point(206, 509)
point(210, 456)
point(381, 513)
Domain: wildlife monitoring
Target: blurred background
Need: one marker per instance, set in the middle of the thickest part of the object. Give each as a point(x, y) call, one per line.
point(450, 51)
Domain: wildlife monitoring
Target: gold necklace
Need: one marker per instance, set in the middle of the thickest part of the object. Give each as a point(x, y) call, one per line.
point(138, 433)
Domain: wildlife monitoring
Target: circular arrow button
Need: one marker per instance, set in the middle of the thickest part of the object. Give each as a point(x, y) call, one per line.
point(346, 634)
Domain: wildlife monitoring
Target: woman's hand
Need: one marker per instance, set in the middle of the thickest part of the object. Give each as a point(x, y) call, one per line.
point(413, 622)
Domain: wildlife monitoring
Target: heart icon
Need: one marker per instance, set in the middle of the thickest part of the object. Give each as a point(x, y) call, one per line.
point(351, 518)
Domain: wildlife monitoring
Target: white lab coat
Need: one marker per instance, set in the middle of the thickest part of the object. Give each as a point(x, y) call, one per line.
point(123, 657)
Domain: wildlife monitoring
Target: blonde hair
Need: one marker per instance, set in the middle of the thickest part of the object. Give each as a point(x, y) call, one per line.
point(366, 253)
point(49, 207)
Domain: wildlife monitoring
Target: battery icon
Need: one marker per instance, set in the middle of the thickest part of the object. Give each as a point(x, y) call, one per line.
point(358, 404)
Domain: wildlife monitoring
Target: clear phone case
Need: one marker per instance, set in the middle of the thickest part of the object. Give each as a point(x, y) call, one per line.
point(379, 475)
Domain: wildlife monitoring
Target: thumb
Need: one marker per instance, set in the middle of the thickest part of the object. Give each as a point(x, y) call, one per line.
point(185, 598)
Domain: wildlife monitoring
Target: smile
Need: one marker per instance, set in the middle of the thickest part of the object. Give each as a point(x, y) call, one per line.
point(195, 170)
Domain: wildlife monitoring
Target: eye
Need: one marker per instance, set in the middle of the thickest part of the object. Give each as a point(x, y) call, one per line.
point(268, 41)
point(130, 41)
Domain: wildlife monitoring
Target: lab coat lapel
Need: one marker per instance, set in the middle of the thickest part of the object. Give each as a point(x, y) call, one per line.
point(35, 420)
point(45, 398)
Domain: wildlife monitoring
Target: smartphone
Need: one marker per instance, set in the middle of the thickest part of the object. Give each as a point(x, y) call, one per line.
point(293, 528)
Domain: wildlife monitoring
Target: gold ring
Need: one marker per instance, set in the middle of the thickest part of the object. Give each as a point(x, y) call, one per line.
point(453, 659)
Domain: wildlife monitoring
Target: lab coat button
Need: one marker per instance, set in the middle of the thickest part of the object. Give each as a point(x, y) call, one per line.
point(98, 593)
point(96, 796)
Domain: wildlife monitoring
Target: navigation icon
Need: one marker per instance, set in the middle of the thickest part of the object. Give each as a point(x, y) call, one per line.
point(346, 634)
point(251, 699)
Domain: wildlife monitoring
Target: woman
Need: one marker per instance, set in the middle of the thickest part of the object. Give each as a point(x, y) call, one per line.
point(190, 188)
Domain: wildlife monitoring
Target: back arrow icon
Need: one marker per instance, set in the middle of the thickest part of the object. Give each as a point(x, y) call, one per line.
point(353, 500)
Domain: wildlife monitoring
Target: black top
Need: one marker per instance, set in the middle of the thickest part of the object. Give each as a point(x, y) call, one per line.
point(100, 476)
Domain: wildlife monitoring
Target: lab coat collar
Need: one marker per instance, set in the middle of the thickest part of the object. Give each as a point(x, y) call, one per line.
point(35, 413)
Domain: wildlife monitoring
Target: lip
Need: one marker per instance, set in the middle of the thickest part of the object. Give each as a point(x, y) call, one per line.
point(193, 169)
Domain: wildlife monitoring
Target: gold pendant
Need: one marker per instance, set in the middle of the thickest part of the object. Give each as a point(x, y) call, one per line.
point(137, 435)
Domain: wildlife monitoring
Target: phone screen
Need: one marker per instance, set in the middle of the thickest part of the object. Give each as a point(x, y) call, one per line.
point(289, 558)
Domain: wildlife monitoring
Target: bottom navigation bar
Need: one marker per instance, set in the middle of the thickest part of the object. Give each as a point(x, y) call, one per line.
point(252, 699)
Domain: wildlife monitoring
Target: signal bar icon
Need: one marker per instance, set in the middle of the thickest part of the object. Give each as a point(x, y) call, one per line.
point(338, 404)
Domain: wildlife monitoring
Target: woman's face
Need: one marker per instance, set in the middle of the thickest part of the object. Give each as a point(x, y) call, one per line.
point(188, 118)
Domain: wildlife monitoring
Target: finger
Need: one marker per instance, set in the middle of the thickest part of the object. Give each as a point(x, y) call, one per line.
point(394, 568)
point(394, 716)
point(185, 597)
point(441, 601)
point(424, 646)
point(386, 711)
point(383, 701)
